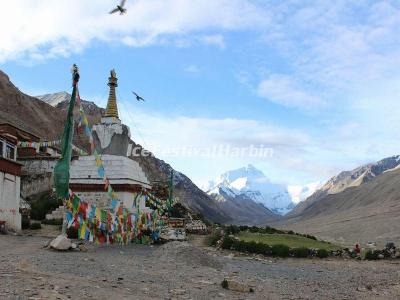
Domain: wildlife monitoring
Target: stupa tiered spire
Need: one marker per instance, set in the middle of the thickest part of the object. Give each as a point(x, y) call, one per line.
point(112, 109)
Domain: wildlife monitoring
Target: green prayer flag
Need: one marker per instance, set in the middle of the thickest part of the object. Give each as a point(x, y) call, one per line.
point(61, 170)
point(75, 204)
point(103, 216)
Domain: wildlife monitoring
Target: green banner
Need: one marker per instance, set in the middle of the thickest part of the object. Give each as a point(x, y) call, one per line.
point(61, 170)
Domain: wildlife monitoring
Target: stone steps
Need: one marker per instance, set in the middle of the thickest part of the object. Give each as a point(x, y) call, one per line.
point(58, 213)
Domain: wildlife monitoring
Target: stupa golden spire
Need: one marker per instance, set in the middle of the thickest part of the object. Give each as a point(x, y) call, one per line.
point(112, 109)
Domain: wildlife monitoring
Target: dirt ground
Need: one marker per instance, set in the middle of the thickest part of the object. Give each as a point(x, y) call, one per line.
point(181, 271)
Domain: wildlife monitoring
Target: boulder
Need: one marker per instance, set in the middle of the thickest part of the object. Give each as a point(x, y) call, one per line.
point(82, 248)
point(237, 286)
point(61, 243)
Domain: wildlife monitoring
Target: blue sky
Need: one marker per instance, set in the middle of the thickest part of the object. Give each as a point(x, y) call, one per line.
point(316, 81)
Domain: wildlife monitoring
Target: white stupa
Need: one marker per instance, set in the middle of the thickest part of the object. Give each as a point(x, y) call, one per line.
point(112, 141)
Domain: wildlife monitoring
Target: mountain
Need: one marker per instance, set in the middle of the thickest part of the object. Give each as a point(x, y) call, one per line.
point(347, 179)
point(54, 99)
point(251, 183)
point(28, 113)
point(243, 208)
point(361, 205)
point(47, 121)
point(366, 213)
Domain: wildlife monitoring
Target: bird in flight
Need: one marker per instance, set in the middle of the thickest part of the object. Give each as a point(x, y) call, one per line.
point(120, 8)
point(138, 98)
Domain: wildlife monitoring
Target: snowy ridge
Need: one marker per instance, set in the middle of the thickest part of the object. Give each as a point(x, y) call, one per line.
point(54, 99)
point(253, 184)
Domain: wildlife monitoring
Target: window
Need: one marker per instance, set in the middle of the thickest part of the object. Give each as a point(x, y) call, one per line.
point(10, 152)
point(1, 148)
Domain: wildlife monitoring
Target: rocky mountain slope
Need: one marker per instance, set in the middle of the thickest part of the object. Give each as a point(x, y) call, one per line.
point(245, 209)
point(369, 212)
point(250, 183)
point(27, 112)
point(361, 205)
point(347, 179)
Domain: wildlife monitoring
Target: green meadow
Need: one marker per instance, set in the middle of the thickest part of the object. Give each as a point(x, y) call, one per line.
point(290, 240)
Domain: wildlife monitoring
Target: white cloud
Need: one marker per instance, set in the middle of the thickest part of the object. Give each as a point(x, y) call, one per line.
point(205, 132)
point(192, 69)
point(300, 193)
point(44, 28)
point(284, 90)
point(215, 40)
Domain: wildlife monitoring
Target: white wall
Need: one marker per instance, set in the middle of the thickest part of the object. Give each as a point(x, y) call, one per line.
point(102, 199)
point(9, 200)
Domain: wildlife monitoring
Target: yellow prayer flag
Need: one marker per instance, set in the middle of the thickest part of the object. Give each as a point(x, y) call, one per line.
point(83, 231)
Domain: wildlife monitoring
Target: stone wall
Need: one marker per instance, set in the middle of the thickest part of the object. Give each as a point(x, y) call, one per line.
point(36, 176)
point(102, 199)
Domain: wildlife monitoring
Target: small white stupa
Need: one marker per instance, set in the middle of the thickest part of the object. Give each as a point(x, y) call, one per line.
point(112, 140)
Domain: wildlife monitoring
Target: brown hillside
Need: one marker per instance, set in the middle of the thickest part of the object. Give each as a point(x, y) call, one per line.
point(365, 213)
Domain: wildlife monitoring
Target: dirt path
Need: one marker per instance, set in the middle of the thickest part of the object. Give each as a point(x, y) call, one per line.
point(181, 271)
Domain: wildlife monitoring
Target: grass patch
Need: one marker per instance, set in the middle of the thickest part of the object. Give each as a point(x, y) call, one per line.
point(290, 240)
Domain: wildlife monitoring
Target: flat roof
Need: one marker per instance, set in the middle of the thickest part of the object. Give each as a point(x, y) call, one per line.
point(19, 128)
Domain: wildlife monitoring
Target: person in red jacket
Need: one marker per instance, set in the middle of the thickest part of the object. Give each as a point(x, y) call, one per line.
point(357, 249)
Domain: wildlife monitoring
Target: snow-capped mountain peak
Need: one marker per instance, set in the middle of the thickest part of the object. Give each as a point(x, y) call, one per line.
point(252, 183)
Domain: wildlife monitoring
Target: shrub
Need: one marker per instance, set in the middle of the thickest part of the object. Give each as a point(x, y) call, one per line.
point(300, 252)
point(262, 248)
point(224, 284)
point(25, 222)
point(35, 226)
point(252, 247)
point(227, 243)
point(310, 237)
point(290, 232)
point(280, 250)
point(240, 246)
point(371, 255)
point(322, 253)
point(45, 204)
point(214, 237)
point(272, 230)
point(254, 229)
point(232, 229)
point(243, 227)
point(53, 222)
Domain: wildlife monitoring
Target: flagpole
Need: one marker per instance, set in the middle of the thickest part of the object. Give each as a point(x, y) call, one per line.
point(61, 170)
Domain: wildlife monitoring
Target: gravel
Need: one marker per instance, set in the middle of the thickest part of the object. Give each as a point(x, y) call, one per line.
point(181, 271)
